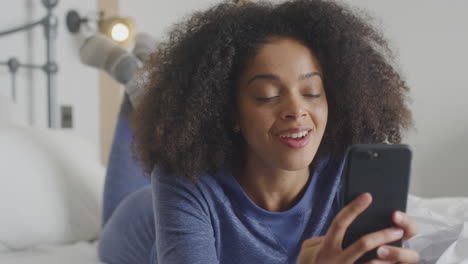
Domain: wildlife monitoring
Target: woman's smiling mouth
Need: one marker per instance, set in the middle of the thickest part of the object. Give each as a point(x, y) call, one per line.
point(295, 138)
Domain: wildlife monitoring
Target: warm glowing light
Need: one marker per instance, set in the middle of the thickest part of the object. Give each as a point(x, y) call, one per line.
point(120, 32)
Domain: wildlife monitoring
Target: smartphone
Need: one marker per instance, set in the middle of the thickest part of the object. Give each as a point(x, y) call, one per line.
point(383, 170)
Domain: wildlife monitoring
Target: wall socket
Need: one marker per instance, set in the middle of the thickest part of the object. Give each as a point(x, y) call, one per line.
point(66, 116)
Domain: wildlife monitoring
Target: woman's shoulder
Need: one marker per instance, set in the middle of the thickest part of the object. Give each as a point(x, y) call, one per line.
point(207, 188)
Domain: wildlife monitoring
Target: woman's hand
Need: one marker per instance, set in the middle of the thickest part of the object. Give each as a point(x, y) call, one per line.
point(328, 248)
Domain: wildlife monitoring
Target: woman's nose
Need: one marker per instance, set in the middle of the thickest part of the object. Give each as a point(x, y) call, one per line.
point(293, 109)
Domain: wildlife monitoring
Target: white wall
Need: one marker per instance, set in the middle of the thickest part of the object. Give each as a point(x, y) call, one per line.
point(431, 40)
point(77, 85)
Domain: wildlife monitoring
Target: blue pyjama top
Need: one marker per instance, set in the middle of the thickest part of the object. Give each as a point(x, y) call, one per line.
point(214, 221)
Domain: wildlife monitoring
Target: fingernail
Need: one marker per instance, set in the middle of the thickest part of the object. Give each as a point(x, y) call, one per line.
point(399, 217)
point(363, 199)
point(383, 252)
point(397, 232)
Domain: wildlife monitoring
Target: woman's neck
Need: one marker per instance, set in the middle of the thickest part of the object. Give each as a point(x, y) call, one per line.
point(273, 189)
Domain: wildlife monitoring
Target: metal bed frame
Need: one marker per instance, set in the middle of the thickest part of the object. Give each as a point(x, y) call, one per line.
point(49, 22)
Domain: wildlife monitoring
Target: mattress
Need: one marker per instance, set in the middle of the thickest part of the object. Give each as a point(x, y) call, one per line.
point(78, 253)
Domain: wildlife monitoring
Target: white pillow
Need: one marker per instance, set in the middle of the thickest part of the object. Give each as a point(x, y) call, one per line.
point(50, 187)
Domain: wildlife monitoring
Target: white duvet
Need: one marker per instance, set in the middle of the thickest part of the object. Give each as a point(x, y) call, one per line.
point(443, 229)
point(443, 237)
point(78, 253)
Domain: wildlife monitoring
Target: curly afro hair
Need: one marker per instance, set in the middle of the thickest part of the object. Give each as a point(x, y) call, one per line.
point(183, 122)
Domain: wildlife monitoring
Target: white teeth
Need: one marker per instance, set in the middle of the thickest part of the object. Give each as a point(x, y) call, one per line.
point(295, 135)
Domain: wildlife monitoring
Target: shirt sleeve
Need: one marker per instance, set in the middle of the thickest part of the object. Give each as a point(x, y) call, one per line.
point(184, 233)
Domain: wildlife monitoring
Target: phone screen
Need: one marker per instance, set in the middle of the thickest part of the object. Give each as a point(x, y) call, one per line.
point(383, 171)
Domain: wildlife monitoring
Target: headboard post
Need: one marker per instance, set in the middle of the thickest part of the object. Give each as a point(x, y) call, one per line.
point(110, 94)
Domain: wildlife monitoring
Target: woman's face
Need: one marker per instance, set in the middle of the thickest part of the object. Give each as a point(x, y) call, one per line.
point(282, 106)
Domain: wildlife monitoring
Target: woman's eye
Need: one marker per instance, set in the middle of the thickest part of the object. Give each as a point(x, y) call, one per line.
point(265, 99)
point(312, 95)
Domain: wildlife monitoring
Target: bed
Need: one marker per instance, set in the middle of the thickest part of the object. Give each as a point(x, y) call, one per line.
point(51, 187)
point(77, 253)
point(51, 184)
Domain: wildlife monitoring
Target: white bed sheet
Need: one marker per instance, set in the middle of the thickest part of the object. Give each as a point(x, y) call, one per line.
point(443, 229)
point(442, 222)
point(78, 253)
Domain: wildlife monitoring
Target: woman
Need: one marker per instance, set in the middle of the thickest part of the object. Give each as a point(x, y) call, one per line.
point(247, 114)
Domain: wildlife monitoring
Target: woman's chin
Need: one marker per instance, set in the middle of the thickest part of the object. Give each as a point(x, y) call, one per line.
point(296, 161)
point(295, 165)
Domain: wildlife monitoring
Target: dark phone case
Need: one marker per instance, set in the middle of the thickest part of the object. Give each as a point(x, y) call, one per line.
point(386, 177)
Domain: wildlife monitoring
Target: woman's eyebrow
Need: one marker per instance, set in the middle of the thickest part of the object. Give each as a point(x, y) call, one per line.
point(309, 75)
point(276, 78)
point(263, 76)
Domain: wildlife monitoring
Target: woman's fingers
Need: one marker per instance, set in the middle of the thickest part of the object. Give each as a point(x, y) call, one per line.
point(310, 249)
point(378, 261)
point(335, 234)
point(407, 223)
point(371, 241)
point(397, 254)
point(312, 242)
